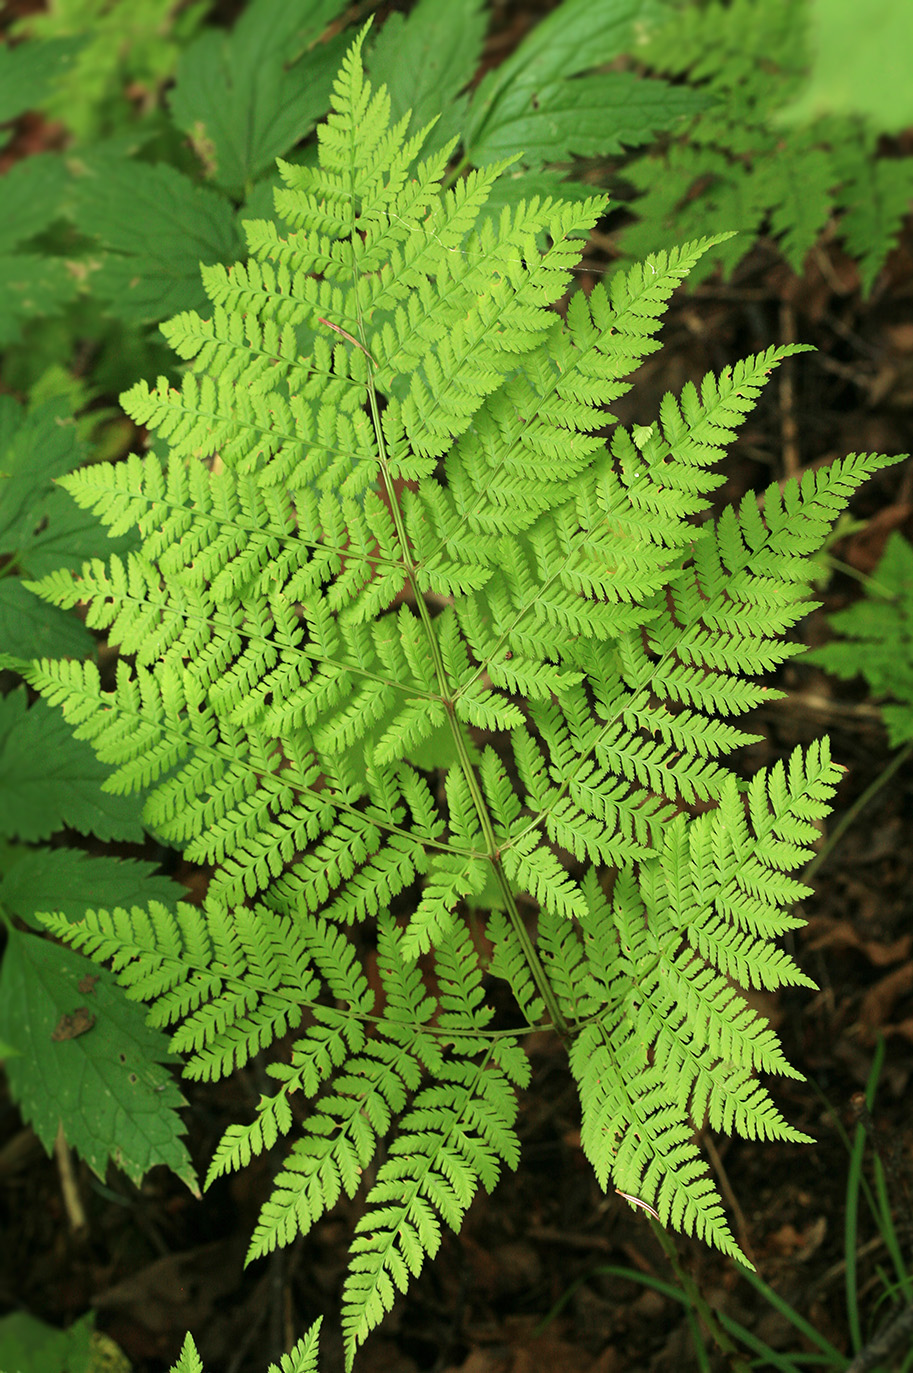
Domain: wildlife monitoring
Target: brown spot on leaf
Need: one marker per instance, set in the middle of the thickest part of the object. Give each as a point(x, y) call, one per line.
point(75, 1024)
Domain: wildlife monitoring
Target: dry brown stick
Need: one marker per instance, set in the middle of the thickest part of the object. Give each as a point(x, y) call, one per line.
point(895, 1337)
point(68, 1185)
point(789, 429)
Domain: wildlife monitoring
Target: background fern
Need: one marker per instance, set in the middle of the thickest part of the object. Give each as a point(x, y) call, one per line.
point(875, 639)
point(742, 164)
point(387, 529)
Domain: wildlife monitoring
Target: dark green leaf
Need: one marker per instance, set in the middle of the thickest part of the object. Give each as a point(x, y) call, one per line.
point(30, 1346)
point(33, 195)
point(157, 227)
point(588, 117)
point(576, 37)
point(31, 287)
point(238, 99)
point(73, 882)
point(34, 448)
point(30, 628)
point(425, 59)
point(105, 1083)
point(29, 71)
point(49, 780)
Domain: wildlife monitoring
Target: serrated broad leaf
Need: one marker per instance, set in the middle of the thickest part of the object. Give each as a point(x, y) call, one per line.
point(577, 36)
point(88, 1063)
point(72, 882)
point(28, 72)
point(33, 195)
point(156, 227)
point(425, 60)
point(591, 116)
point(48, 780)
point(247, 97)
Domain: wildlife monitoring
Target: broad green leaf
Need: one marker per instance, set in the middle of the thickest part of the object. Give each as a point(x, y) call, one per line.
point(65, 538)
point(30, 628)
point(28, 1345)
point(578, 36)
point(49, 780)
point(73, 882)
point(588, 117)
point(28, 72)
point(41, 527)
point(425, 59)
point(33, 195)
point(35, 447)
point(158, 228)
point(32, 286)
point(89, 1063)
point(247, 97)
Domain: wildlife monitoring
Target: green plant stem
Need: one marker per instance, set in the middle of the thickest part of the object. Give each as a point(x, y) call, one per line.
point(896, 1333)
point(698, 1303)
point(850, 1237)
point(850, 816)
point(881, 1208)
point(453, 177)
point(871, 584)
point(538, 973)
point(830, 1354)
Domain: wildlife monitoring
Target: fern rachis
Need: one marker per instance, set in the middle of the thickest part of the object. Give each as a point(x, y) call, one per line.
point(418, 634)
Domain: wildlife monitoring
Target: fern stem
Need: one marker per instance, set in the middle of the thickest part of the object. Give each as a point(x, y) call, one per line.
point(453, 177)
point(539, 976)
point(699, 1303)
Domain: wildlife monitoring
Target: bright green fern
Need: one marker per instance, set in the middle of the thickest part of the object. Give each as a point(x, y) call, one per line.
point(406, 637)
point(301, 1359)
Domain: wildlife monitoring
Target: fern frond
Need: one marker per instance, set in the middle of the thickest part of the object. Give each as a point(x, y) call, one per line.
point(509, 961)
point(631, 1131)
point(876, 637)
point(237, 981)
point(455, 1138)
